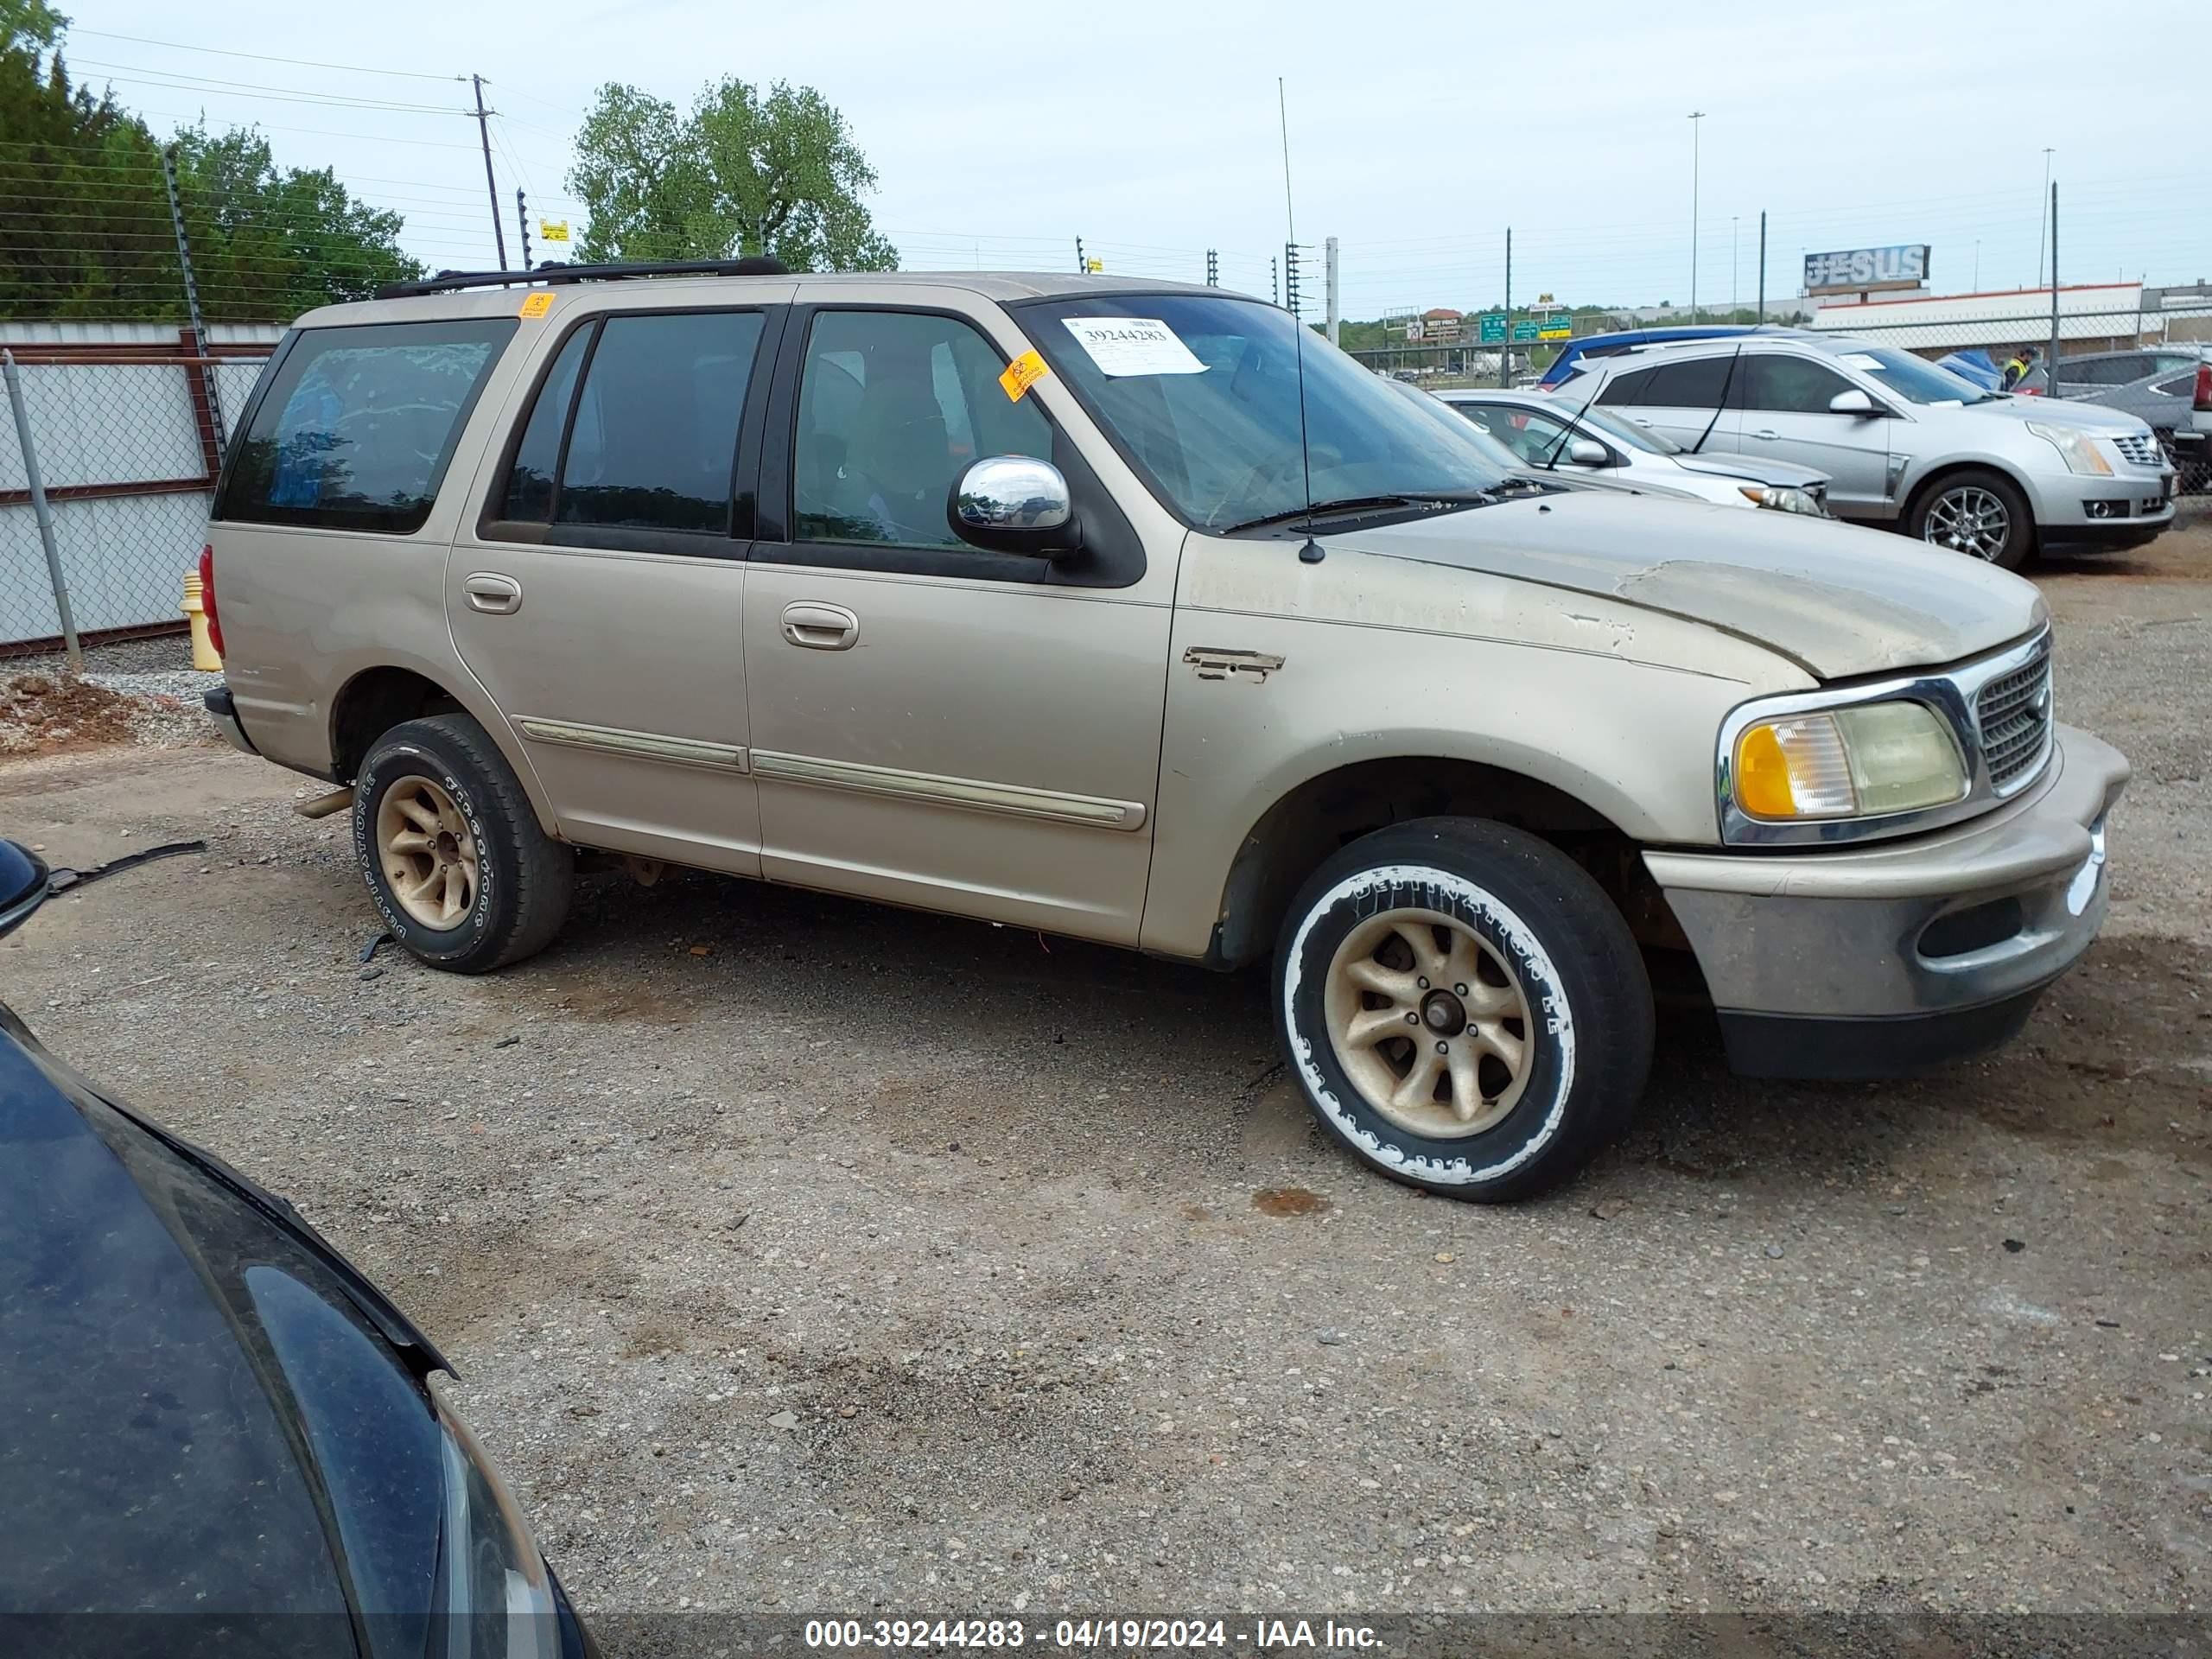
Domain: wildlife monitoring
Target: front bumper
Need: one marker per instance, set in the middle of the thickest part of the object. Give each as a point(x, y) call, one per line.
point(2125, 510)
point(1900, 955)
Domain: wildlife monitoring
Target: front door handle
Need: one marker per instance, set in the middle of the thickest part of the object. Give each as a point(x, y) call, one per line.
point(821, 627)
point(493, 593)
point(1767, 432)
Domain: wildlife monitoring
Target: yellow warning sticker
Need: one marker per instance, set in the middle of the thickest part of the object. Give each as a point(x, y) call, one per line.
point(1021, 374)
point(538, 304)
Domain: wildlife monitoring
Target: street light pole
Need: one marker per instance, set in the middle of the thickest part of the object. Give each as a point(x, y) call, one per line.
point(1697, 117)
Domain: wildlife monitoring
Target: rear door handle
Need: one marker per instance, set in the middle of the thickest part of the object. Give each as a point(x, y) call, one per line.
point(1767, 432)
point(821, 627)
point(493, 593)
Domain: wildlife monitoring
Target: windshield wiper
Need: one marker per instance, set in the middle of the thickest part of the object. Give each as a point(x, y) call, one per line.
point(1438, 499)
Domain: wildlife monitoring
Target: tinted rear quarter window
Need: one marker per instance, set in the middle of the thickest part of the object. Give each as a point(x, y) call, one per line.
point(358, 425)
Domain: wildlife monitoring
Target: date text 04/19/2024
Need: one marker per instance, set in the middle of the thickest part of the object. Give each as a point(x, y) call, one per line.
point(1262, 1635)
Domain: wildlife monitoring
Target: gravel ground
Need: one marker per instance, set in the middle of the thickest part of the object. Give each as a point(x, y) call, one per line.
point(807, 1257)
point(155, 675)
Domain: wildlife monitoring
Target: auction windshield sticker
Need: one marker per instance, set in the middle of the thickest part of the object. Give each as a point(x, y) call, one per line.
point(1127, 346)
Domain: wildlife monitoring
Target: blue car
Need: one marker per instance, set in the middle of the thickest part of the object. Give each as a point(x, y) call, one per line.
point(1974, 365)
point(1566, 367)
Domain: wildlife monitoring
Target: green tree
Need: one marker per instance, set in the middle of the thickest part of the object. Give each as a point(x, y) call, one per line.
point(89, 232)
point(743, 173)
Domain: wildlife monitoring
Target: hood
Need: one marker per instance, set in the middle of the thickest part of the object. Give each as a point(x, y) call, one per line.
point(1836, 600)
point(167, 1349)
point(1753, 469)
point(2057, 411)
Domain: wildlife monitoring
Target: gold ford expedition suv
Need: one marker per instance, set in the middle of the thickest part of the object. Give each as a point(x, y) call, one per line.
point(1123, 612)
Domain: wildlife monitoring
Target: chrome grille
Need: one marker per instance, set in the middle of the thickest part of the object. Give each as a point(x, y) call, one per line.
point(2014, 715)
point(2140, 448)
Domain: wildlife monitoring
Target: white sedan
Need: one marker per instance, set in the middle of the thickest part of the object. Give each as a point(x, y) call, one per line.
point(1597, 447)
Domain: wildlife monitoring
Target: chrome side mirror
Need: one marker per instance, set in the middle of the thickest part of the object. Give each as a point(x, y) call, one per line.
point(1014, 504)
point(1588, 452)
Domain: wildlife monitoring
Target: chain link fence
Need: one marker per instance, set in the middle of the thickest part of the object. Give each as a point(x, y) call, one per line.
point(124, 445)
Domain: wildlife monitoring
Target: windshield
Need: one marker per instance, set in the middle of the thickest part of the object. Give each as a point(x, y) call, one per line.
point(1201, 395)
point(1626, 431)
point(1914, 379)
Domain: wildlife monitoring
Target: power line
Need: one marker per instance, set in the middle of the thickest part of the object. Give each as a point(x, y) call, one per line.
point(264, 57)
point(255, 89)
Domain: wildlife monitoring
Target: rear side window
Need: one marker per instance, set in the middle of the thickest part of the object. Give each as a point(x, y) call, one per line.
point(1628, 388)
point(357, 426)
point(2101, 371)
point(636, 425)
point(1697, 384)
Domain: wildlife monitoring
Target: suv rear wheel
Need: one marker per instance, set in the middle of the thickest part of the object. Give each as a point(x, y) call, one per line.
point(452, 849)
point(1977, 512)
point(1464, 1007)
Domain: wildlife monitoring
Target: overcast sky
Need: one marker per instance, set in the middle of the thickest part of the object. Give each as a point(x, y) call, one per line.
point(1001, 131)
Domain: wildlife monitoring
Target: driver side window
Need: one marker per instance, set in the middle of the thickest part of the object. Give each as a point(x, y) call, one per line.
point(892, 409)
point(1789, 385)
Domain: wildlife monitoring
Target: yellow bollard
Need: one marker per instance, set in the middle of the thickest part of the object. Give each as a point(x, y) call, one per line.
point(203, 648)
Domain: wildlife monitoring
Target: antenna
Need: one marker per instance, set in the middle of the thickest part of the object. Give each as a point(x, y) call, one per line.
point(1312, 552)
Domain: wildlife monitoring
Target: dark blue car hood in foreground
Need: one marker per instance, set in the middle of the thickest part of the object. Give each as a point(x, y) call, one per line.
point(209, 1440)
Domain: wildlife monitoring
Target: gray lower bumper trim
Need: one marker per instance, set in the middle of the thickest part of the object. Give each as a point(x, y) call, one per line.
point(1846, 934)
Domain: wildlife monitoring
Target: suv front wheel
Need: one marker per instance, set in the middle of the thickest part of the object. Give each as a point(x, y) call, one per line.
point(452, 850)
point(1977, 512)
point(1464, 1007)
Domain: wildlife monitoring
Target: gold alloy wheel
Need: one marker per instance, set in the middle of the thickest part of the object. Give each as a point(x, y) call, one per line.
point(429, 857)
point(1429, 1022)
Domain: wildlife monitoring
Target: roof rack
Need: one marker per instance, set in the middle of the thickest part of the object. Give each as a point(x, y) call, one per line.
point(447, 282)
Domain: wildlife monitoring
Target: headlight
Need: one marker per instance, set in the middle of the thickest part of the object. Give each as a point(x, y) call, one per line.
point(2079, 449)
point(1847, 763)
point(495, 1597)
point(1784, 497)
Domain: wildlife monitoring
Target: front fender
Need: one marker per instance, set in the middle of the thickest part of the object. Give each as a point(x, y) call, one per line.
point(1630, 741)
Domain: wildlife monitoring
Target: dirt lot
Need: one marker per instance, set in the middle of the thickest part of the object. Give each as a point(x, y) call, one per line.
point(802, 1256)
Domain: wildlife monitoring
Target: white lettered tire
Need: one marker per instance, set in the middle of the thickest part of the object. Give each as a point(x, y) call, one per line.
point(1462, 1007)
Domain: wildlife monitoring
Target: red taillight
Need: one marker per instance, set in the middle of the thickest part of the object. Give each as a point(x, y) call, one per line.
point(207, 599)
point(2202, 400)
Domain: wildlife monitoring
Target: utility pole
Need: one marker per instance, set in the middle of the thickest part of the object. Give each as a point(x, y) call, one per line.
point(207, 377)
point(1290, 278)
point(1697, 126)
point(1697, 120)
point(491, 184)
point(1762, 267)
point(1505, 346)
point(1080, 267)
point(522, 225)
point(1333, 289)
point(1213, 268)
point(2039, 230)
point(1734, 269)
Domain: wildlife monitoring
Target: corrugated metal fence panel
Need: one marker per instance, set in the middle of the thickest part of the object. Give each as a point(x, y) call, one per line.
point(97, 425)
point(125, 559)
point(106, 424)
